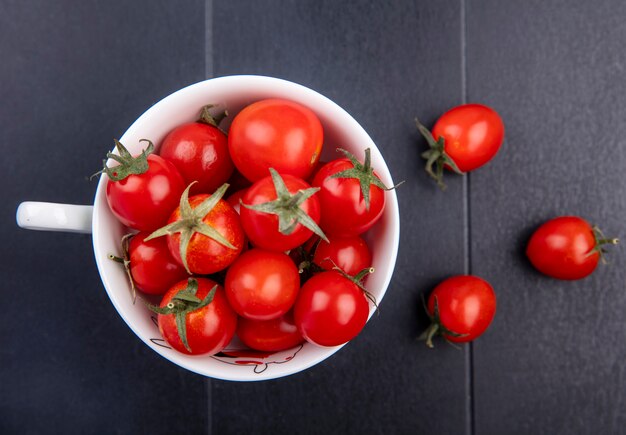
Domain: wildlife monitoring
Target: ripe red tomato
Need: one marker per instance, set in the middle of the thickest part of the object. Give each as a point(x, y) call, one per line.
point(204, 233)
point(464, 138)
point(350, 254)
point(566, 248)
point(269, 335)
point(152, 266)
point(466, 305)
point(346, 211)
point(234, 199)
point(142, 191)
point(330, 309)
point(262, 285)
point(207, 329)
point(272, 220)
point(200, 153)
point(278, 134)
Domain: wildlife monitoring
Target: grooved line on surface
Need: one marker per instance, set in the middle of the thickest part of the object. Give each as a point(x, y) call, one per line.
point(208, 72)
point(469, 350)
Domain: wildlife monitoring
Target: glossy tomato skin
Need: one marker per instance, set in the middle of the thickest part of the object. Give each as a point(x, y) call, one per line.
point(200, 153)
point(262, 228)
point(152, 266)
point(262, 285)
point(473, 135)
point(562, 248)
point(278, 134)
point(344, 212)
point(145, 201)
point(350, 254)
point(269, 335)
point(209, 329)
point(330, 309)
point(205, 255)
point(467, 305)
point(234, 199)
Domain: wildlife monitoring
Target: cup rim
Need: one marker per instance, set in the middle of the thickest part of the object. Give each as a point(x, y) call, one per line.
point(391, 201)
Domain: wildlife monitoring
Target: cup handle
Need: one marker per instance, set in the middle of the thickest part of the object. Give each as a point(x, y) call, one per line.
point(48, 216)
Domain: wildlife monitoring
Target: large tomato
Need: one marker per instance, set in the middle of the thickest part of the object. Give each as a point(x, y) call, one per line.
point(269, 335)
point(262, 285)
point(278, 134)
point(464, 138)
point(280, 213)
point(330, 309)
point(461, 309)
point(204, 233)
point(193, 321)
point(142, 191)
point(566, 247)
point(152, 266)
point(352, 196)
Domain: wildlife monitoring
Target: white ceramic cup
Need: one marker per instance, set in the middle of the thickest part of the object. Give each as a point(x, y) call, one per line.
point(234, 93)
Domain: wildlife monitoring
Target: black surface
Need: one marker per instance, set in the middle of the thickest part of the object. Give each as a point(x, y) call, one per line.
point(73, 75)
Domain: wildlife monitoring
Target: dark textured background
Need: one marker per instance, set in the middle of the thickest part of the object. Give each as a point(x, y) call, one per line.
point(73, 75)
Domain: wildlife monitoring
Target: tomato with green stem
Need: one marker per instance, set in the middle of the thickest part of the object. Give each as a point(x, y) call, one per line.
point(195, 318)
point(567, 247)
point(460, 308)
point(204, 233)
point(463, 139)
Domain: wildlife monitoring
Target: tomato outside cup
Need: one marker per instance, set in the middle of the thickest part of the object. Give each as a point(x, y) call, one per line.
point(236, 362)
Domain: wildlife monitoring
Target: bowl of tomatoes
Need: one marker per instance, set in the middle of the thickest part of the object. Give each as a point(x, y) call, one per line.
point(259, 256)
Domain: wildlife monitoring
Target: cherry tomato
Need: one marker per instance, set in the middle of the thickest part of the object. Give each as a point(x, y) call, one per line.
point(466, 305)
point(473, 134)
point(278, 134)
point(204, 233)
point(152, 266)
point(263, 227)
point(200, 153)
point(330, 309)
point(143, 201)
point(262, 285)
point(345, 211)
point(269, 335)
point(464, 138)
point(566, 248)
point(234, 199)
point(350, 254)
point(208, 329)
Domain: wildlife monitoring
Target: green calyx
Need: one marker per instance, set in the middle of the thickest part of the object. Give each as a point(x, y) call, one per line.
point(183, 303)
point(287, 207)
point(191, 222)
point(128, 165)
point(206, 117)
point(435, 328)
point(125, 261)
point(601, 242)
point(364, 173)
point(357, 279)
point(436, 156)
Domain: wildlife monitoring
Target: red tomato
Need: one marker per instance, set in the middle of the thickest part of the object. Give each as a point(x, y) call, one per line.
point(262, 285)
point(234, 199)
point(143, 201)
point(466, 305)
point(330, 309)
point(350, 254)
point(473, 134)
point(345, 211)
point(152, 266)
point(200, 153)
point(269, 335)
point(278, 134)
point(208, 329)
point(204, 233)
point(263, 227)
point(566, 247)
point(464, 138)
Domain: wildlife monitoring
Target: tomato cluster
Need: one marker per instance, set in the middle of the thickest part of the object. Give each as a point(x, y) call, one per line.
point(277, 260)
point(567, 247)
